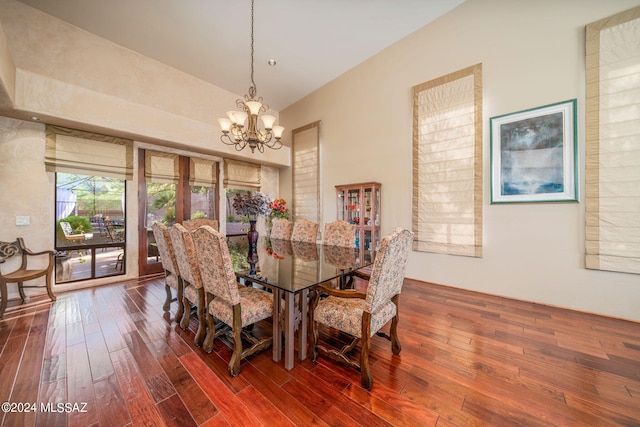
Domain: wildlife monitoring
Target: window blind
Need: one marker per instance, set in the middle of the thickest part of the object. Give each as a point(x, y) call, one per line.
point(613, 143)
point(306, 163)
point(241, 175)
point(202, 172)
point(161, 168)
point(447, 164)
point(74, 151)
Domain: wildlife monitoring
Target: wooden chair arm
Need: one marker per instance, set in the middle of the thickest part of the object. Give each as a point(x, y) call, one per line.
point(342, 293)
point(29, 252)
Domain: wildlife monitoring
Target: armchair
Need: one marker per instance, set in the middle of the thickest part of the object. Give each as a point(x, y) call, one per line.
point(9, 250)
point(362, 315)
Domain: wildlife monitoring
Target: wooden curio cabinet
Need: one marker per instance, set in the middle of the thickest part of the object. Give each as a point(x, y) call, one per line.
point(359, 204)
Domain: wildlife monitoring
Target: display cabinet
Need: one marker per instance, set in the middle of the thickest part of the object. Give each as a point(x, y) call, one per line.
point(359, 204)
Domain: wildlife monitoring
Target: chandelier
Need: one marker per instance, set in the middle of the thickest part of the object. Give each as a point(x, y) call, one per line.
point(240, 128)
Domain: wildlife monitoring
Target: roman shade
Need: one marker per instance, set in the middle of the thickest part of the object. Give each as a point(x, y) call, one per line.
point(74, 151)
point(306, 176)
point(241, 175)
point(202, 172)
point(447, 164)
point(613, 143)
point(161, 168)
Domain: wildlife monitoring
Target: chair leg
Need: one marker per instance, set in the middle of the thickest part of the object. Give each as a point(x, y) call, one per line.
point(234, 363)
point(167, 301)
point(49, 279)
point(3, 295)
point(21, 291)
point(199, 338)
point(207, 345)
point(313, 327)
point(395, 341)
point(186, 313)
point(180, 310)
point(366, 379)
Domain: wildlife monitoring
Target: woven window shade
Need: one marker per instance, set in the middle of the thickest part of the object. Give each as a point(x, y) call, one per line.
point(202, 172)
point(306, 163)
point(241, 175)
point(162, 168)
point(74, 151)
point(447, 164)
point(613, 143)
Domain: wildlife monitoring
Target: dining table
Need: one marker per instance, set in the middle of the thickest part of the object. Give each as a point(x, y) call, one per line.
point(290, 269)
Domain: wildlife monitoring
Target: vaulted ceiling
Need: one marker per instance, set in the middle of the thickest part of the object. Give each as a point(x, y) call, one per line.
point(312, 41)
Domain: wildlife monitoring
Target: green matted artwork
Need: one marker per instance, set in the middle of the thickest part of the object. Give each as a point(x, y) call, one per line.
point(534, 155)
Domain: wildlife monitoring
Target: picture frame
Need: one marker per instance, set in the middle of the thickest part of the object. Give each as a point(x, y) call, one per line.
point(534, 155)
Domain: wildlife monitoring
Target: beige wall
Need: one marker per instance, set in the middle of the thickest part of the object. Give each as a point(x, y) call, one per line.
point(532, 54)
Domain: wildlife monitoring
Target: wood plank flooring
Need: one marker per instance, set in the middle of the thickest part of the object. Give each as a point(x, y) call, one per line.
point(115, 359)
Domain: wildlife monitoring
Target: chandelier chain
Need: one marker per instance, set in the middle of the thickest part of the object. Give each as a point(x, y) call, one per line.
point(252, 89)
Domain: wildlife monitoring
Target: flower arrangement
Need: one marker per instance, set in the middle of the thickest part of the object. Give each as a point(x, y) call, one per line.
point(278, 209)
point(251, 205)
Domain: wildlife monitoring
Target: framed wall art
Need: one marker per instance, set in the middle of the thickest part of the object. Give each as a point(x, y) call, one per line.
point(533, 155)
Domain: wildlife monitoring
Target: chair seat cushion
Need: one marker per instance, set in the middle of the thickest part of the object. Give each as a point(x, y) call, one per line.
point(345, 314)
point(256, 305)
point(172, 281)
point(20, 275)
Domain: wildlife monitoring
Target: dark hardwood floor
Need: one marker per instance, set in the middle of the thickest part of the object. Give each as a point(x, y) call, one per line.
point(467, 359)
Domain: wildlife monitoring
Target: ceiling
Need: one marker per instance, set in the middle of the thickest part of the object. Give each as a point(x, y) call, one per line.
point(312, 41)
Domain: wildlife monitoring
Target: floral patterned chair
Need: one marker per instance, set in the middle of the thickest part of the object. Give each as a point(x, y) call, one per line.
point(169, 264)
point(340, 233)
point(22, 274)
point(281, 229)
point(192, 224)
point(363, 315)
point(304, 231)
point(192, 289)
point(236, 306)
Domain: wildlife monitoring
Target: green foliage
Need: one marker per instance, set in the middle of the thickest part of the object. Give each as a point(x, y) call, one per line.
point(198, 214)
point(231, 218)
point(78, 223)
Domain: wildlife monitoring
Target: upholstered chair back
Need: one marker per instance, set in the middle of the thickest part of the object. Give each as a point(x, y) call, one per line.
point(215, 264)
point(339, 233)
point(165, 248)
point(387, 274)
point(185, 251)
point(192, 224)
point(281, 229)
point(304, 231)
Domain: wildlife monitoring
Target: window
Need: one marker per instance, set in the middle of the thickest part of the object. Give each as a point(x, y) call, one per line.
point(90, 178)
point(175, 188)
point(613, 143)
point(306, 177)
point(90, 227)
point(447, 164)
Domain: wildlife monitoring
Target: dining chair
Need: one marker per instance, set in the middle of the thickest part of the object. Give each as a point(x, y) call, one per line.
point(281, 228)
point(23, 273)
point(172, 277)
point(362, 315)
point(192, 224)
point(339, 233)
point(192, 289)
point(236, 306)
point(304, 231)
